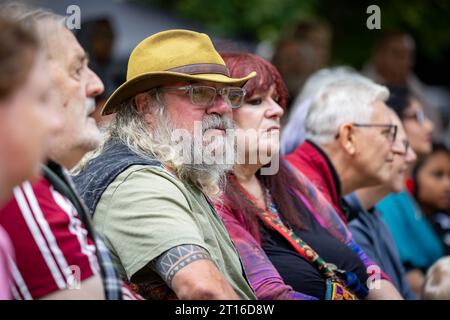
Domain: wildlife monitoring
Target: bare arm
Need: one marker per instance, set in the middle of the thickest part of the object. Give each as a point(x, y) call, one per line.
point(190, 273)
point(383, 290)
point(91, 289)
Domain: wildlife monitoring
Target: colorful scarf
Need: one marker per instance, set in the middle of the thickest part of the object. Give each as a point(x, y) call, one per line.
point(337, 286)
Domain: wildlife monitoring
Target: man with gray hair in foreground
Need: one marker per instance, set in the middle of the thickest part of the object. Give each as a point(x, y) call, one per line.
point(349, 135)
point(151, 205)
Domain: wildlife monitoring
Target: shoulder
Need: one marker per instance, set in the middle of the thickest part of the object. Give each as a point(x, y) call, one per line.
point(148, 180)
point(144, 190)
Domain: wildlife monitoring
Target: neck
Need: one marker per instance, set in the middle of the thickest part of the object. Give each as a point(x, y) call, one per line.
point(369, 197)
point(246, 176)
point(69, 159)
point(245, 173)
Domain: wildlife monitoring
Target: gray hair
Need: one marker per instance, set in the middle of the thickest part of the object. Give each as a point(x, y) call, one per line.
point(437, 282)
point(130, 128)
point(21, 11)
point(347, 100)
point(294, 131)
point(322, 78)
point(32, 17)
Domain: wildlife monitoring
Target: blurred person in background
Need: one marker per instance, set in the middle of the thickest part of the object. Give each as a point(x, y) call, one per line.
point(279, 222)
point(431, 177)
point(418, 244)
point(437, 282)
point(97, 38)
point(56, 247)
point(392, 64)
point(368, 229)
point(27, 119)
point(304, 49)
point(343, 117)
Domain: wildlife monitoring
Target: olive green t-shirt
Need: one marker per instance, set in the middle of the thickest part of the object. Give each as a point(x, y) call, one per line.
point(146, 211)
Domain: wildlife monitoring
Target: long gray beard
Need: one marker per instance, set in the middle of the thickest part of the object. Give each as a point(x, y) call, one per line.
point(196, 164)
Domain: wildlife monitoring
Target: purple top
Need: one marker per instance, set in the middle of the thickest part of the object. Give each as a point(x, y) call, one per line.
point(262, 275)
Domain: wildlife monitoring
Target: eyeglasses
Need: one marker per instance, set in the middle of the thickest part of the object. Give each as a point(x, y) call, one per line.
point(390, 130)
point(205, 96)
point(418, 116)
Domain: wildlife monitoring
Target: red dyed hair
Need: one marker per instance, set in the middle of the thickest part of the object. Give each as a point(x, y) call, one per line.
point(241, 64)
point(290, 207)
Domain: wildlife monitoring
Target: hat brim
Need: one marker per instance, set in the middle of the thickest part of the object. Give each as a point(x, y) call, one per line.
point(151, 80)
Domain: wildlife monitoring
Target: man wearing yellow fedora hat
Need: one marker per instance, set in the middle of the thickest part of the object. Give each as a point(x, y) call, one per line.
point(151, 206)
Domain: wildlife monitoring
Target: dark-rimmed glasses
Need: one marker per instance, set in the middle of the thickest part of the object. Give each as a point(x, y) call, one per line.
point(390, 130)
point(205, 96)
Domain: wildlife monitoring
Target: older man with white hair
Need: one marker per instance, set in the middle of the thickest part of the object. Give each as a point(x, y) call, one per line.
point(349, 136)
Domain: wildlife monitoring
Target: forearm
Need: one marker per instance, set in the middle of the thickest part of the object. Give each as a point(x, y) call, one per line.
point(189, 271)
point(211, 287)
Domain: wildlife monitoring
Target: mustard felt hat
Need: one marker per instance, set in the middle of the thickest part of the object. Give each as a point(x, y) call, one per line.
point(171, 56)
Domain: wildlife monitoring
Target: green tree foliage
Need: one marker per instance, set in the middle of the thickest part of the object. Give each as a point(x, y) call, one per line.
point(257, 20)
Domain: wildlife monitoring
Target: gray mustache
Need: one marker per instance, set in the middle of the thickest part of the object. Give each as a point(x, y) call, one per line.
point(216, 121)
point(90, 105)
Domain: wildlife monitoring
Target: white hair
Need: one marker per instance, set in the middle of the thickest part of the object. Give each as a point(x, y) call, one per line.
point(322, 78)
point(348, 100)
point(130, 128)
point(35, 18)
point(294, 131)
point(27, 14)
point(437, 281)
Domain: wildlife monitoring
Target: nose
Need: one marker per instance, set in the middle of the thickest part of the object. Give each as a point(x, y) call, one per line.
point(94, 86)
point(447, 182)
point(428, 125)
point(219, 106)
point(274, 110)
point(410, 156)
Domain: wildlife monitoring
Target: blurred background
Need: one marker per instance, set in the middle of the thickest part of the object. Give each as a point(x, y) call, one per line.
point(299, 36)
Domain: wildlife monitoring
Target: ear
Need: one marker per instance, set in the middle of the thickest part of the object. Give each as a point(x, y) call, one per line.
point(144, 106)
point(346, 138)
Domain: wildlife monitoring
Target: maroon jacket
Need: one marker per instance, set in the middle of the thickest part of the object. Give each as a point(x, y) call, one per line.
point(315, 164)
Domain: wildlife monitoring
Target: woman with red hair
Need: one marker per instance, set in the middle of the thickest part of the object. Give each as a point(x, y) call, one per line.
point(291, 242)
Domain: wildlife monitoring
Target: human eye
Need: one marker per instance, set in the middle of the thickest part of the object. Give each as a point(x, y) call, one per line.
point(386, 132)
point(255, 101)
point(77, 71)
point(438, 174)
point(203, 95)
